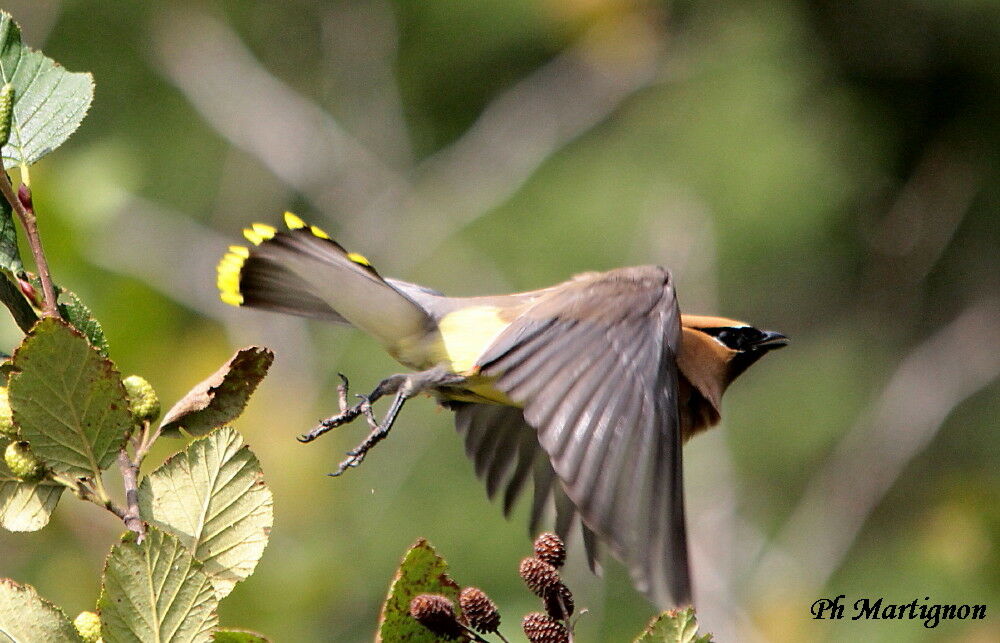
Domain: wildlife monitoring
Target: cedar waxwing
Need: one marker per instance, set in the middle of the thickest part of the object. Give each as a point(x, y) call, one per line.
point(588, 387)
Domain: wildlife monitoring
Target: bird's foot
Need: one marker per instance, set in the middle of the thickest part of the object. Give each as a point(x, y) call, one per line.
point(402, 387)
point(378, 432)
point(347, 413)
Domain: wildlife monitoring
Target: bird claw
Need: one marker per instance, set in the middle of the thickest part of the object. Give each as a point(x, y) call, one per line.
point(347, 413)
point(352, 461)
point(342, 392)
point(401, 386)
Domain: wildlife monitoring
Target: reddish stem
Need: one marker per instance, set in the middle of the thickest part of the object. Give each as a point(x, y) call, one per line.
point(25, 208)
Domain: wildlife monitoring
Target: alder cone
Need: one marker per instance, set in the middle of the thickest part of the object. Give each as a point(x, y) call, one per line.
point(479, 610)
point(436, 613)
point(551, 549)
point(559, 602)
point(542, 628)
point(539, 576)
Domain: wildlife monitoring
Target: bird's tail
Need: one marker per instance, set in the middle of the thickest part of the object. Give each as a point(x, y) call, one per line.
point(302, 271)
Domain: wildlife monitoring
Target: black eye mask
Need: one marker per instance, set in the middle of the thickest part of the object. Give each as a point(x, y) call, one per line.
point(742, 338)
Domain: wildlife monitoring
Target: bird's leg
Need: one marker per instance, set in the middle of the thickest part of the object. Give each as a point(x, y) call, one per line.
point(403, 386)
point(379, 430)
point(347, 414)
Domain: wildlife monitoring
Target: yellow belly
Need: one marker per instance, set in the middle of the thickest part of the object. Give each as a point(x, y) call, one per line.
point(478, 389)
point(461, 339)
point(467, 333)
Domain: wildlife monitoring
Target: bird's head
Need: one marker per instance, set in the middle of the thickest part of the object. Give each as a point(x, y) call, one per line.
point(735, 343)
point(715, 351)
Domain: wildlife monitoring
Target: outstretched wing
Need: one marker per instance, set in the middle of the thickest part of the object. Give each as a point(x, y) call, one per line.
point(505, 453)
point(594, 366)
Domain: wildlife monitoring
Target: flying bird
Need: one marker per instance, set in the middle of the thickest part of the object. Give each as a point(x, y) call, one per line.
point(588, 388)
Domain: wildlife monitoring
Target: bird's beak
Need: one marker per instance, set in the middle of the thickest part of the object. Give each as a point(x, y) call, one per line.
point(771, 341)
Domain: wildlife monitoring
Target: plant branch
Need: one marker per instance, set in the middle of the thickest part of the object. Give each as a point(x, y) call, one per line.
point(145, 442)
point(129, 467)
point(24, 315)
point(22, 204)
point(472, 634)
point(130, 474)
point(85, 492)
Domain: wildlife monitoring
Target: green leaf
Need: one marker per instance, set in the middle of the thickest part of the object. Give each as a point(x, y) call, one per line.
point(238, 636)
point(155, 591)
point(26, 616)
point(25, 506)
point(421, 572)
point(674, 626)
point(49, 102)
point(220, 398)
point(213, 498)
point(10, 255)
point(79, 315)
point(68, 400)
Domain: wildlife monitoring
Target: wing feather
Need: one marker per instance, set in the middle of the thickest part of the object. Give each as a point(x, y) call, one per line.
point(518, 445)
point(594, 366)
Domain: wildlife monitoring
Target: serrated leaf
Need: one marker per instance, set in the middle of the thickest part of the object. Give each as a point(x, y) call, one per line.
point(674, 626)
point(78, 314)
point(81, 318)
point(220, 398)
point(155, 591)
point(25, 506)
point(49, 102)
point(68, 400)
point(212, 496)
point(422, 571)
point(10, 255)
point(238, 636)
point(26, 616)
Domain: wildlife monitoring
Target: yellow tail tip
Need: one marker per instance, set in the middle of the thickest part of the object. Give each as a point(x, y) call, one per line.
point(231, 298)
point(258, 233)
point(318, 232)
point(228, 277)
point(252, 237)
point(294, 222)
point(361, 259)
point(264, 230)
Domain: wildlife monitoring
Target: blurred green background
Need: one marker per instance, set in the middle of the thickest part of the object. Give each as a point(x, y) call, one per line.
point(825, 169)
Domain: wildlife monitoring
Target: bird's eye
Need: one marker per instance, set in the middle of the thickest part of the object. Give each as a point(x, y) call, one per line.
point(736, 338)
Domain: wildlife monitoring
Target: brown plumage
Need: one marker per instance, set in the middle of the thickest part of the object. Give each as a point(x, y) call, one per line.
point(588, 388)
point(707, 369)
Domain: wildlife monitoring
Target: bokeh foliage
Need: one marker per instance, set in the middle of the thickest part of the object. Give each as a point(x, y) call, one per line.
point(828, 170)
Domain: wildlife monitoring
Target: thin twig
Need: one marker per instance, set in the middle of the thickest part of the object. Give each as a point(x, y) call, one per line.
point(22, 204)
point(13, 298)
point(141, 443)
point(130, 474)
point(85, 492)
point(145, 442)
point(472, 634)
